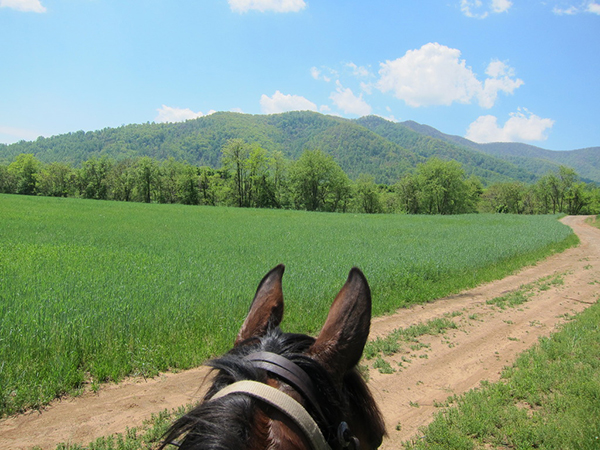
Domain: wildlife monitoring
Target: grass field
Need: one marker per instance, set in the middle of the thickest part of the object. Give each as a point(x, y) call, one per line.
point(93, 291)
point(550, 399)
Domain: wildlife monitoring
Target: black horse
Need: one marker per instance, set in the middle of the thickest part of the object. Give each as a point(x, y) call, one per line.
point(277, 390)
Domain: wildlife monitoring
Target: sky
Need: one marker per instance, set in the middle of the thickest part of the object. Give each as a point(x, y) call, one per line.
point(488, 70)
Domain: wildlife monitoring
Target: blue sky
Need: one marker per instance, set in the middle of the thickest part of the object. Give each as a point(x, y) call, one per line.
point(489, 70)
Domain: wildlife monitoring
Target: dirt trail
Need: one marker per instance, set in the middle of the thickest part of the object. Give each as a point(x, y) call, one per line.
point(487, 339)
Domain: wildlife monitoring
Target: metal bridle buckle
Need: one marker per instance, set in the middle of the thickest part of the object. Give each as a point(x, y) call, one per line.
point(346, 438)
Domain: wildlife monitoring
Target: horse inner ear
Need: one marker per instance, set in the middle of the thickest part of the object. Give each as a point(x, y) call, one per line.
point(342, 339)
point(266, 310)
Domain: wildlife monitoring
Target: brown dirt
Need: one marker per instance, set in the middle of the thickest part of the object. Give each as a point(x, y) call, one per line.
point(487, 339)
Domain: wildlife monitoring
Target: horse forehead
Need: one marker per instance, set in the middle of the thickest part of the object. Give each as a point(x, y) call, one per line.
point(286, 389)
point(284, 434)
point(273, 429)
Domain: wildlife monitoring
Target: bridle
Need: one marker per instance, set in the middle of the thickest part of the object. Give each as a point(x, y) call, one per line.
point(296, 377)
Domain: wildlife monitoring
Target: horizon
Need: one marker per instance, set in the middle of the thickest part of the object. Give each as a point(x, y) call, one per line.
point(487, 71)
point(316, 112)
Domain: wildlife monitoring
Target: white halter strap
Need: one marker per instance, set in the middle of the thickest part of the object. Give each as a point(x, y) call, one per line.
point(284, 403)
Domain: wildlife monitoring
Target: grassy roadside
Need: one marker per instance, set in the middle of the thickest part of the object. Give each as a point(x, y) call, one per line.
point(594, 221)
point(549, 399)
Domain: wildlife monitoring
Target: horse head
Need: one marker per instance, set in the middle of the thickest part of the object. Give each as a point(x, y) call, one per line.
point(276, 390)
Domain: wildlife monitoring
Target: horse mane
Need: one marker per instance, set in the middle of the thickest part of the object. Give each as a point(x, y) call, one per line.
point(203, 427)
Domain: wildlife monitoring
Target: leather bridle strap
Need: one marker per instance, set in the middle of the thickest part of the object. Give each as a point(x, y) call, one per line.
point(282, 402)
point(291, 373)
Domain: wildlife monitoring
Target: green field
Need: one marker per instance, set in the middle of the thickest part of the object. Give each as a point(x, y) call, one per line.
point(549, 399)
point(92, 291)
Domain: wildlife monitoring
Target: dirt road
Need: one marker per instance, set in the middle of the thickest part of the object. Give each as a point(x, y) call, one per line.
point(487, 338)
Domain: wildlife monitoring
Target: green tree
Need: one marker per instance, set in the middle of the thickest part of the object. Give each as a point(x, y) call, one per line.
point(545, 202)
point(439, 187)
point(408, 192)
point(210, 184)
point(279, 173)
point(93, 178)
point(7, 184)
point(260, 190)
point(368, 195)
point(318, 183)
point(235, 160)
point(443, 189)
point(577, 198)
point(474, 190)
point(506, 197)
point(147, 177)
point(189, 193)
point(121, 180)
point(25, 171)
point(57, 180)
point(554, 187)
point(169, 174)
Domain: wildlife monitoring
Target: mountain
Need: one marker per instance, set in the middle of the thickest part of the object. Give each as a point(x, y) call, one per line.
point(199, 141)
point(536, 160)
point(370, 145)
point(487, 167)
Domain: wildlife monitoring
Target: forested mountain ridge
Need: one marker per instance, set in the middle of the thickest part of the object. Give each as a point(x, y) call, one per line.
point(200, 141)
point(539, 161)
point(370, 145)
point(476, 163)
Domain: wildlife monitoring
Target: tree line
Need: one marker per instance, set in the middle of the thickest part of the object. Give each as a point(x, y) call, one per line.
point(251, 176)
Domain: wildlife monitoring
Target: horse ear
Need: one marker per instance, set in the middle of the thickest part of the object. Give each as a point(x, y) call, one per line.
point(342, 339)
point(266, 310)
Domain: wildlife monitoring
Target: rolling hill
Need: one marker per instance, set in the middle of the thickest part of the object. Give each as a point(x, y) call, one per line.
point(536, 160)
point(370, 145)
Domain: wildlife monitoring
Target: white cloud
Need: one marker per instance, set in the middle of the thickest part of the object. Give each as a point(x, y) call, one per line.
point(476, 9)
point(435, 75)
point(523, 126)
point(10, 134)
point(500, 6)
point(359, 71)
point(570, 9)
point(594, 8)
point(281, 6)
point(281, 103)
point(467, 7)
point(23, 5)
point(170, 114)
point(349, 103)
point(367, 87)
point(501, 79)
point(432, 75)
point(390, 118)
point(325, 73)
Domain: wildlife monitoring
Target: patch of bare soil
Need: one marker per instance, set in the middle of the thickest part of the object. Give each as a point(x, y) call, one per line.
point(487, 339)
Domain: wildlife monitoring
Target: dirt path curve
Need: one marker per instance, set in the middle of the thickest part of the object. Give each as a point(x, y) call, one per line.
point(487, 339)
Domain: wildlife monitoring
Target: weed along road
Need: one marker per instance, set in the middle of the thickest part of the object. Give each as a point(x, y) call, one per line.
point(484, 329)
